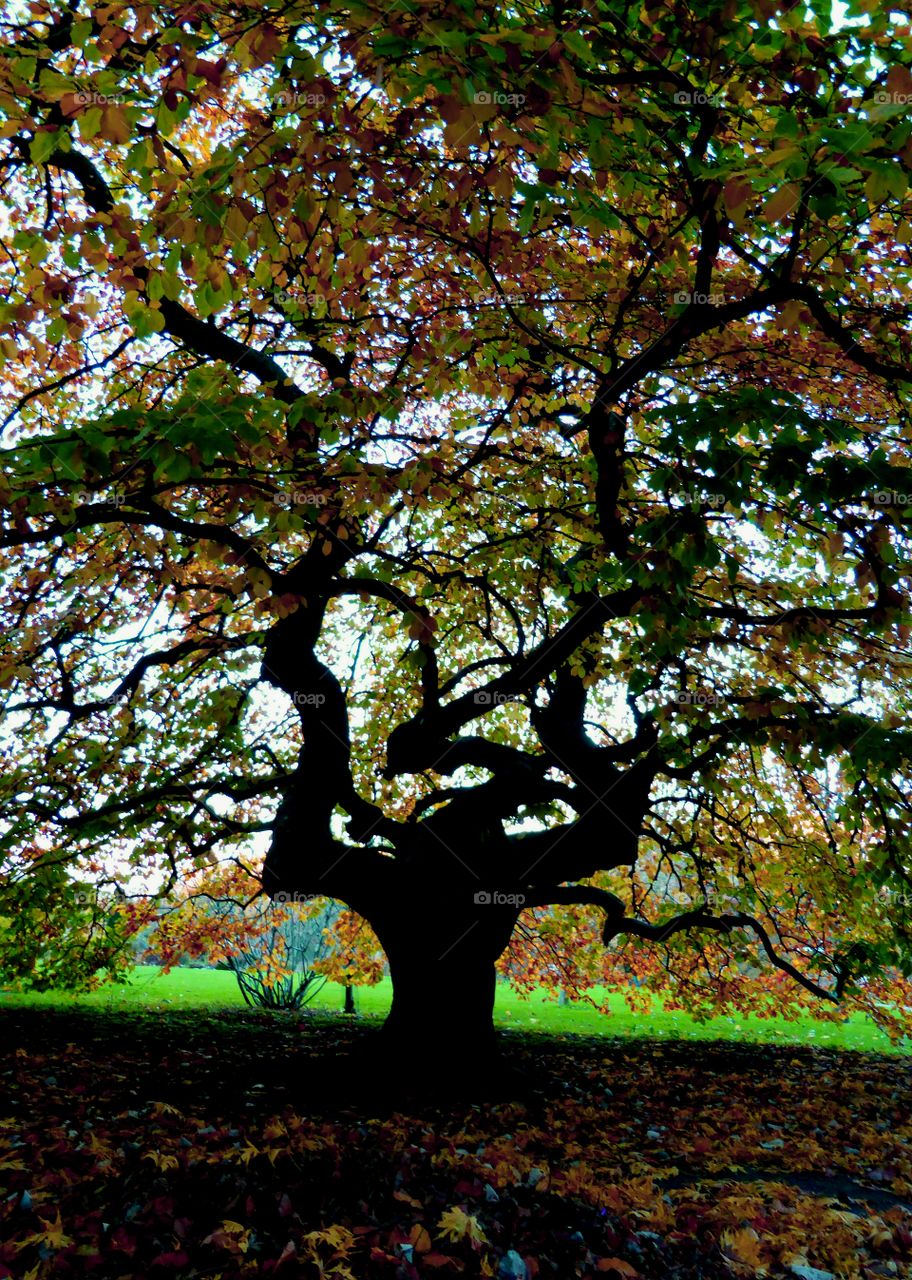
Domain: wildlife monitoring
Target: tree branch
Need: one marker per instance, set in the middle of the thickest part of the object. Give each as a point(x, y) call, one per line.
point(616, 923)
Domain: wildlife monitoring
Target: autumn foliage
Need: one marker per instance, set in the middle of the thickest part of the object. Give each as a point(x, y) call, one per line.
point(222, 916)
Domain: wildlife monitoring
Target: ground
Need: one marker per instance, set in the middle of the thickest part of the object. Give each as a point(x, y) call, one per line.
point(222, 1142)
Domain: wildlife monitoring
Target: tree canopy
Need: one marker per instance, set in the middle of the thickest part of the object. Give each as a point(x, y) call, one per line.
point(463, 450)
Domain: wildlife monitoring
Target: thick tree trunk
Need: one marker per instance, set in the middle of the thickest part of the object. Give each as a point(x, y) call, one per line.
point(439, 1006)
point(441, 1023)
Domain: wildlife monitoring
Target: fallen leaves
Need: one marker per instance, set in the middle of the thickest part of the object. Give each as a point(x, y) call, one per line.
point(138, 1146)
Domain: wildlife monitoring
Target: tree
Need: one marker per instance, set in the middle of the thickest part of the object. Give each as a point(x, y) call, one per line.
point(282, 952)
point(277, 968)
point(467, 450)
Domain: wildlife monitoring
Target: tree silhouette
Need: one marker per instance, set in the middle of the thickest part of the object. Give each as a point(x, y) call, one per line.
point(469, 453)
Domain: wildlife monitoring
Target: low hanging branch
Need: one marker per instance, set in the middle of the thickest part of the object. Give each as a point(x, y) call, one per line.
point(618, 923)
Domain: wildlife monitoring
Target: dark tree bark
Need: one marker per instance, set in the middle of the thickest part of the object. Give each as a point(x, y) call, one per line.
point(442, 968)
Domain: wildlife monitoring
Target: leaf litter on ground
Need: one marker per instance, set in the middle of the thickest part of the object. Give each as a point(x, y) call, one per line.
point(238, 1144)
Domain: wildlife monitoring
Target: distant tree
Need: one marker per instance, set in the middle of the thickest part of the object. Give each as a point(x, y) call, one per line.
point(276, 968)
point(281, 951)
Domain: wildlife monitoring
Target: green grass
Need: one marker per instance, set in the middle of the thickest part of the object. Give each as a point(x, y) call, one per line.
point(148, 988)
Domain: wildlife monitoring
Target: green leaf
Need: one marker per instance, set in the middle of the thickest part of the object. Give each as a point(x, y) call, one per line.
point(44, 144)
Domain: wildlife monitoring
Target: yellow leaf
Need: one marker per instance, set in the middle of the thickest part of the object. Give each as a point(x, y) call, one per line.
point(259, 583)
point(235, 223)
point(744, 1246)
point(52, 1236)
point(165, 1109)
point(456, 1224)
point(161, 1161)
point(462, 131)
point(790, 314)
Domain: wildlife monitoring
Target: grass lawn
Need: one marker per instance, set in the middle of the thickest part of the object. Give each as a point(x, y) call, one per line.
point(211, 989)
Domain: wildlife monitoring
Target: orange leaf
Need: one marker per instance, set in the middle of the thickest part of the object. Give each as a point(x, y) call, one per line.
point(114, 126)
point(407, 1199)
point(420, 1238)
point(617, 1265)
point(71, 104)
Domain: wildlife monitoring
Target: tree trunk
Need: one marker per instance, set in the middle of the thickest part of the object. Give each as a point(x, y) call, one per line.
point(349, 999)
point(441, 1006)
point(441, 1023)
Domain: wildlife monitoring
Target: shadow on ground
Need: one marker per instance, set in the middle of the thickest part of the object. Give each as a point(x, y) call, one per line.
point(236, 1144)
